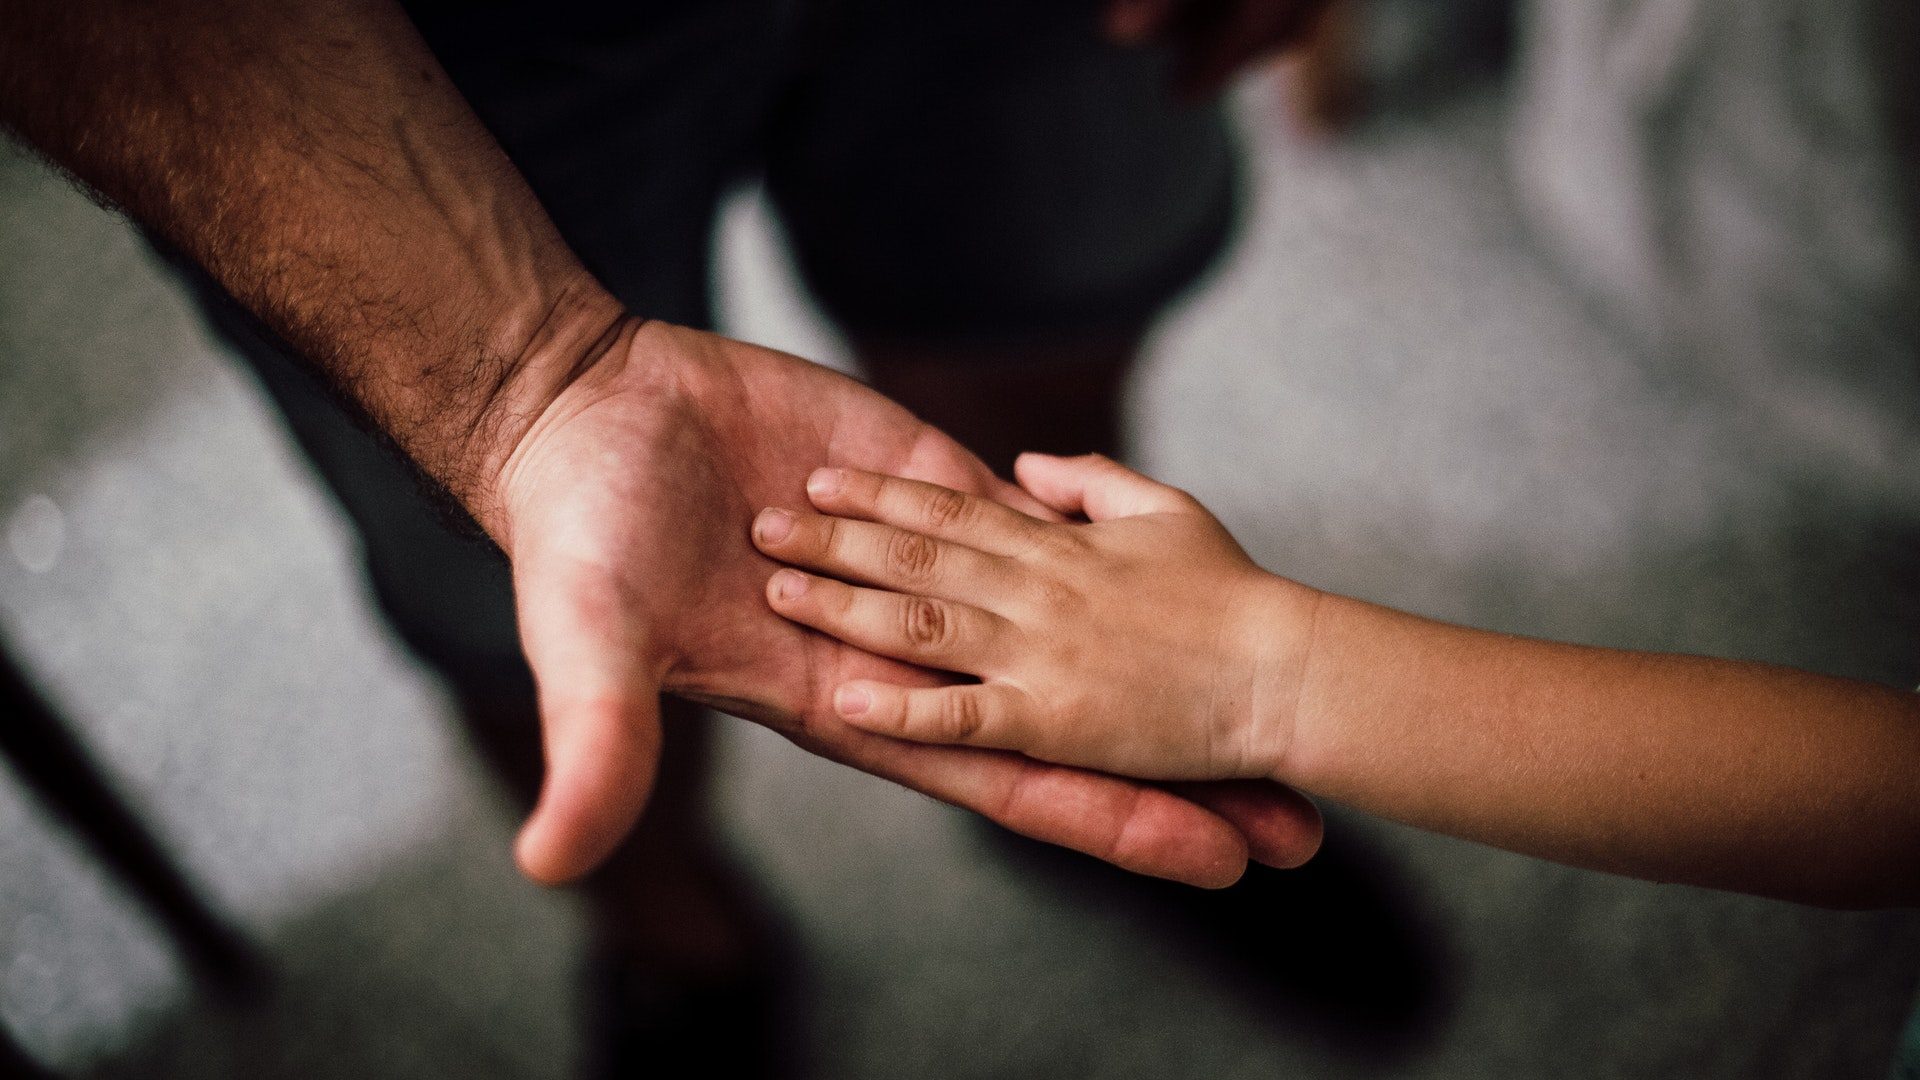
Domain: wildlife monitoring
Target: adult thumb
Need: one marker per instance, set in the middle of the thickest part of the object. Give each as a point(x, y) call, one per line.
point(600, 728)
point(601, 761)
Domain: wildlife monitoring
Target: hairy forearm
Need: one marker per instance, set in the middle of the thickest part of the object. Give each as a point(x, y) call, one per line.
point(315, 159)
point(1675, 768)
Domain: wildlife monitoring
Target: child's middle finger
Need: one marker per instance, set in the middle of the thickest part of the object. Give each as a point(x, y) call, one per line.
point(881, 555)
point(933, 633)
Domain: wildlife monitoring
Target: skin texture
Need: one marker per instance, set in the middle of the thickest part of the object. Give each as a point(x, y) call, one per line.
point(317, 162)
point(1145, 642)
point(628, 503)
point(1036, 609)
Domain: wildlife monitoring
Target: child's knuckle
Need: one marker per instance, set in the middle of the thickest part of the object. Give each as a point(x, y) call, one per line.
point(1054, 544)
point(926, 623)
point(911, 556)
point(829, 539)
point(946, 508)
point(1051, 595)
point(963, 716)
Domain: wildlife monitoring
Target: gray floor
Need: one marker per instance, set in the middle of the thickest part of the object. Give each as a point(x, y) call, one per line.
point(1385, 393)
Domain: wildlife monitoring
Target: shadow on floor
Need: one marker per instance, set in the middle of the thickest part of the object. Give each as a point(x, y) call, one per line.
point(1340, 950)
point(423, 972)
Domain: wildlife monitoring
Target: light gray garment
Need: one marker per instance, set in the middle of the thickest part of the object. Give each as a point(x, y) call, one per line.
point(1735, 182)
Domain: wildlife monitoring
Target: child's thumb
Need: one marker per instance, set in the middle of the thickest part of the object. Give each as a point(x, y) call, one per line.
point(1096, 487)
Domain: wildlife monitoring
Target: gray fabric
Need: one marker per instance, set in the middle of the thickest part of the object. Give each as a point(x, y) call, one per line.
point(1734, 180)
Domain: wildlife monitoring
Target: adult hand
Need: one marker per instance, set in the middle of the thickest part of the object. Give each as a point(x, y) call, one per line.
point(1214, 38)
point(626, 506)
point(319, 164)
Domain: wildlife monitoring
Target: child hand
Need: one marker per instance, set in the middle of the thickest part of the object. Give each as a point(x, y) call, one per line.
point(1144, 643)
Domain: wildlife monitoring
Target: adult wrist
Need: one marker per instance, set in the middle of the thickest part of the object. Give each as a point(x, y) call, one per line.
point(540, 351)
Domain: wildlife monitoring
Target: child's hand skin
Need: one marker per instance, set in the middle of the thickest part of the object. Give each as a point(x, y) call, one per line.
point(1145, 643)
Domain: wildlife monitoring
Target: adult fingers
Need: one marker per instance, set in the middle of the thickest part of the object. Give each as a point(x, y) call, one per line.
point(1137, 827)
point(983, 714)
point(1283, 827)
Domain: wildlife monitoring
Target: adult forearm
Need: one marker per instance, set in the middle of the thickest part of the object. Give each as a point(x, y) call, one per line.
point(1675, 768)
point(317, 161)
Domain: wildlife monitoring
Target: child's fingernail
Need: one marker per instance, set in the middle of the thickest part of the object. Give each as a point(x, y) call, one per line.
point(774, 525)
point(851, 700)
point(825, 482)
point(788, 584)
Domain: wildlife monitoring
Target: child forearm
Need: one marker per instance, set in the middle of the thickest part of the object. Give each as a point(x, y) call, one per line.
point(1146, 643)
point(1675, 768)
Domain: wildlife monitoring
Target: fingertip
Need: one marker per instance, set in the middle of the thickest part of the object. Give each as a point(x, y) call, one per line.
point(772, 526)
point(786, 585)
point(1282, 828)
point(1042, 477)
point(1225, 875)
point(1170, 837)
point(1296, 850)
point(534, 854)
point(853, 701)
point(548, 851)
point(873, 706)
point(1288, 836)
point(601, 759)
point(825, 483)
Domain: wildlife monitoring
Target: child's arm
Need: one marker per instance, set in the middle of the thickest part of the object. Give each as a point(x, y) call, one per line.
point(1147, 643)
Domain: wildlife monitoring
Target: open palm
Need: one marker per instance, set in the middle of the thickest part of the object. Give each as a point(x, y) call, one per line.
point(628, 505)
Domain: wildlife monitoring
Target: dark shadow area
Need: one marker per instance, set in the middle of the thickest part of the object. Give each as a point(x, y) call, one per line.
point(14, 1062)
point(1341, 949)
point(42, 751)
point(750, 1026)
point(424, 971)
point(407, 976)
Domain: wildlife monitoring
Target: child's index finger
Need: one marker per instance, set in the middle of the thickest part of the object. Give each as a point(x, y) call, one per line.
point(928, 509)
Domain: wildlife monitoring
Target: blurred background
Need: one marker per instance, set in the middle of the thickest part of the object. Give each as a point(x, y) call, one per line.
point(1597, 321)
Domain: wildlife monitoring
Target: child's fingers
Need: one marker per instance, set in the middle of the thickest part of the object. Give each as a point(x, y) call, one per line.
point(983, 714)
point(880, 555)
point(930, 509)
point(1096, 486)
point(918, 629)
